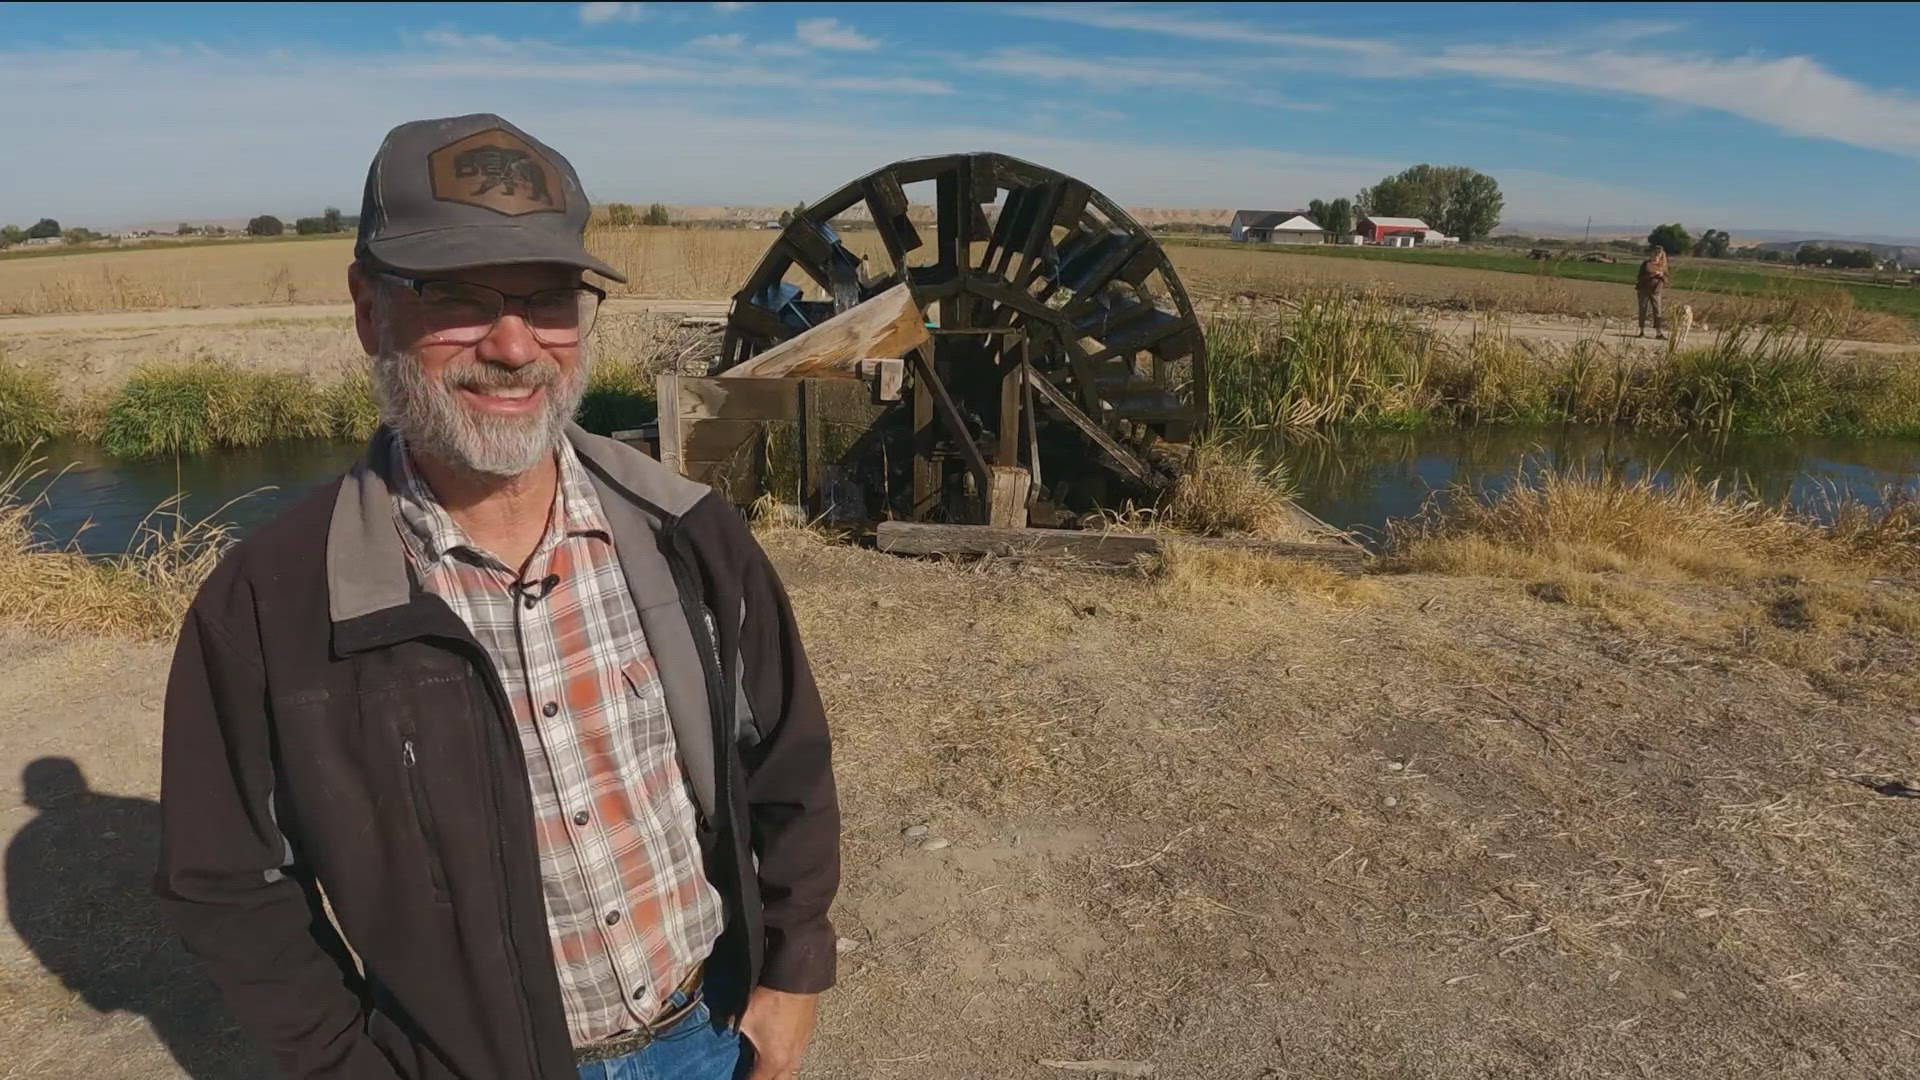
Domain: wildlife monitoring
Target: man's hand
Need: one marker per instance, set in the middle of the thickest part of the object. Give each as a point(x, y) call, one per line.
point(778, 1024)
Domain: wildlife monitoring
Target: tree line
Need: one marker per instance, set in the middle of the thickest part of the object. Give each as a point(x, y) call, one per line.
point(1459, 202)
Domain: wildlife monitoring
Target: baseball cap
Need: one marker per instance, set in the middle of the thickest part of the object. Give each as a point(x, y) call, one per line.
point(473, 190)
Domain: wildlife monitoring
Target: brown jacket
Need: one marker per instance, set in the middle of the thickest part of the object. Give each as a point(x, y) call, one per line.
point(300, 855)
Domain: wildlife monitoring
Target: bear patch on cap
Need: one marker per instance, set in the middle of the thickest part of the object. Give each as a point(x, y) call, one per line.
point(496, 170)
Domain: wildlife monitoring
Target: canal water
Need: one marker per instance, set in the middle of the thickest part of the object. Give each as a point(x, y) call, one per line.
point(1350, 478)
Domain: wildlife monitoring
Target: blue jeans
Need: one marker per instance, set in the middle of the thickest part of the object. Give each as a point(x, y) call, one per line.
point(697, 1048)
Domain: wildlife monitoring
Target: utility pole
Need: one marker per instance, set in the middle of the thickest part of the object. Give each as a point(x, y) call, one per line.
point(1586, 238)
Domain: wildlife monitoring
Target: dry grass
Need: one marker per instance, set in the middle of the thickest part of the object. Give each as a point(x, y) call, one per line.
point(1836, 600)
point(141, 594)
point(1189, 574)
point(1227, 490)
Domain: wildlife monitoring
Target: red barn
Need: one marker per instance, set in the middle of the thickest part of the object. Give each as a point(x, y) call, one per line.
point(1394, 231)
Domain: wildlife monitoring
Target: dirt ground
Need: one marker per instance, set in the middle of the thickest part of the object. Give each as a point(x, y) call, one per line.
point(1400, 826)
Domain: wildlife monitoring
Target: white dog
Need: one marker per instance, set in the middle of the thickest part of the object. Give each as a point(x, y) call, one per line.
point(1685, 325)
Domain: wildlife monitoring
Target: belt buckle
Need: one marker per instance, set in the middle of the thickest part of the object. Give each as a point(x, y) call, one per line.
point(614, 1048)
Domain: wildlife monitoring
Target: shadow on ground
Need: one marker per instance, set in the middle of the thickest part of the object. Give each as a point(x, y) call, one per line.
point(79, 894)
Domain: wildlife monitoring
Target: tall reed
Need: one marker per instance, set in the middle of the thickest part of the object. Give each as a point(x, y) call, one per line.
point(1333, 361)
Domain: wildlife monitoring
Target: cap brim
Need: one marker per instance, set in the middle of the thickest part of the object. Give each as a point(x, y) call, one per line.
point(464, 247)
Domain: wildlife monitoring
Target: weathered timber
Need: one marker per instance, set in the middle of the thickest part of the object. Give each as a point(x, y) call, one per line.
point(888, 325)
point(1120, 455)
point(1105, 548)
point(1008, 487)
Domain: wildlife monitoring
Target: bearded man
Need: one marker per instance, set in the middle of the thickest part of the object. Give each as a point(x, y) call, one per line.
point(499, 757)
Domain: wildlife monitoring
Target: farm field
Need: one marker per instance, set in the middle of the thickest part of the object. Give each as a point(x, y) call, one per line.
point(670, 263)
point(1689, 275)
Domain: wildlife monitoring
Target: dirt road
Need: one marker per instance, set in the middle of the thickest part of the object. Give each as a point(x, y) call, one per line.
point(1423, 827)
point(43, 334)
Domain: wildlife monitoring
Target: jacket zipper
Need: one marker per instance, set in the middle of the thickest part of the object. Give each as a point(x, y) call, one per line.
point(423, 816)
point(706, 634)
point(503, 710)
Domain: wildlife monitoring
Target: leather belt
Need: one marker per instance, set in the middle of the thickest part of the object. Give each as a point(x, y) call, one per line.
point(624, 1044)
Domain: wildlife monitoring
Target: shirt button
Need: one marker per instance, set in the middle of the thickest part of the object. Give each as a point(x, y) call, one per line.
point(580, 817)
point(612, 917)
point(549, 709)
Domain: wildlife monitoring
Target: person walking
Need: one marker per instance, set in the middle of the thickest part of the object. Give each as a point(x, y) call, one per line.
point(499, 756)
point(1652, 289)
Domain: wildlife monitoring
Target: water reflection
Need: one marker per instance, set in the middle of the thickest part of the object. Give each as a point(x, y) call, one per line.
point(101, 501)
point(1353, 479)
point(1359, 479)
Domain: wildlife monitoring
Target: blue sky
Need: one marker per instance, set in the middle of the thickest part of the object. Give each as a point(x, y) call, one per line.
point(1778, 116)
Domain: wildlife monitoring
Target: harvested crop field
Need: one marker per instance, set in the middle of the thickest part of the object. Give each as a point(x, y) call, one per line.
point(1296, 825)
point(697, 263)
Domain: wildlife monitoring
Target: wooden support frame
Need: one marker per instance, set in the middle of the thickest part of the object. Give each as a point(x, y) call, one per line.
point(927, 383)
point(1121, 456)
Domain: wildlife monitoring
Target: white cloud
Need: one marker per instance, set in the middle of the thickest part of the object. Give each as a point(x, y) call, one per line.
point(1794, 94)
point(454, 39)
point(597, 13)
point(833, 34)
point(1127, 74)
point(719, 42)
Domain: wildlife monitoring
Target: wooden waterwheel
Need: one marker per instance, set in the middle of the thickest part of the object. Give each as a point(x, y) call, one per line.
point(1063, 344)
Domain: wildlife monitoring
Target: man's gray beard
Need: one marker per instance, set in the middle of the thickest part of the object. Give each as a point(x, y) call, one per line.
point(428, 414)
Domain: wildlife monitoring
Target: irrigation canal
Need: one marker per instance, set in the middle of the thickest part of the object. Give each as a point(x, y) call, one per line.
point(1356, 479)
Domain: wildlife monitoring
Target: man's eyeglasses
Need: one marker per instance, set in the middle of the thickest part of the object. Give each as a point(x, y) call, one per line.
point(461, 313)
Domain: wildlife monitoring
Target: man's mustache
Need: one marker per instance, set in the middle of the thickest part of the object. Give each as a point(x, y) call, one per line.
point(471, 374)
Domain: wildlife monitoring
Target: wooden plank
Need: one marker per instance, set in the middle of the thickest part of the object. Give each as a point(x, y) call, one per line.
point(812, 466)
point(718, 440)
point(1012, 379)
point(1008, 489)
point(924, 380)
point(666, 388)
point(719, 398)
point(1107, 548)
point(1032, 420)
point(926, 471)
point(889, 324)
point(1120, 455)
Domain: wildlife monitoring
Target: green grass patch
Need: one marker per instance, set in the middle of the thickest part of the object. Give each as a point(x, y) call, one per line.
point(30, 408)
point(619, 396)
point(201, 405)
point(1700, 275)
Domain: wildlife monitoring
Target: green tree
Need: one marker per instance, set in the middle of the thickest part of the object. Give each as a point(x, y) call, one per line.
point(266, 225)
point(1335, 216)
point(1713, 244)
point(331, 219)
point(619, 215)
point(1458, 201)
point(1673, 239)
point(43, 229)
point(79, 235)
point(1810, 255)
point(185, 230)
point(310, 226)
point(657, 215)
point(12, 234)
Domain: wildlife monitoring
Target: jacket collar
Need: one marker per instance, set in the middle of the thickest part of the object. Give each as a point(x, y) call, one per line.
point(372, 597)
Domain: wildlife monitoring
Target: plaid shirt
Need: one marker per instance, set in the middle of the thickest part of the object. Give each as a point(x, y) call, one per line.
point(629, 908)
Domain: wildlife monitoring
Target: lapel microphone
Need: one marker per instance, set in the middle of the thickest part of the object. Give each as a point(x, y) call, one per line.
point(532, 592)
